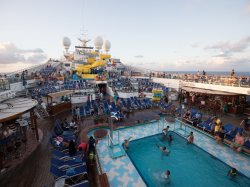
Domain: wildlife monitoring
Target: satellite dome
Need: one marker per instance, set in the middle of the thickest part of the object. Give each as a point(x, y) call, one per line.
point(98, 41)
point(106, 46)
point(66, 42)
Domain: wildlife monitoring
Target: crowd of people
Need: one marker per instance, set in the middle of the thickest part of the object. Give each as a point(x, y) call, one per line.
point(236, 137)
point(205, 77)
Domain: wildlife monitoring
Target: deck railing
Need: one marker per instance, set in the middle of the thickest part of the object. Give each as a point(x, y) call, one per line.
point(237, 81)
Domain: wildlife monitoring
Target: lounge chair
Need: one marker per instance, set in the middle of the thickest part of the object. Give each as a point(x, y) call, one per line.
point(203, 124)
point(60, 182)
point(228, 127)
point(124, 104)
point(131, 104)
point(60, 164)
point(146, 103)
point(87, 110)
point(209, 128)
point(64, 156)
point(70, 172)
point(140, 103)
point(231, 134)
point(247, 144)
point(134, 102)
point(81, 184)
point(197, 119)
point(82, 111)
point(106, 107)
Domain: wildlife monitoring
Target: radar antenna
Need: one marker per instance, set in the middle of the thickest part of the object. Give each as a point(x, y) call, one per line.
point(84, 39)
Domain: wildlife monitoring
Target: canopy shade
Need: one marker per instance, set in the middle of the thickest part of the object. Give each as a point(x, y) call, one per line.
point(60, 94)
point(205, 91)
point(13, 108)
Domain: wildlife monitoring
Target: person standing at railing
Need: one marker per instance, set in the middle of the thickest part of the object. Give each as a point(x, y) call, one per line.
point(232, 73)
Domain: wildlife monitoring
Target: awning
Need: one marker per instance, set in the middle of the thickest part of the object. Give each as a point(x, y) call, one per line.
point(205, 91)
point(60, 94)
point(13, 108)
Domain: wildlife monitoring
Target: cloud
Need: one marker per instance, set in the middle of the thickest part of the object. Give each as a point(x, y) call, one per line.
point(139, 56)
point(245, 62)
point(10, 54)
point(36, 58)
point(195, 45)
point(228, 48)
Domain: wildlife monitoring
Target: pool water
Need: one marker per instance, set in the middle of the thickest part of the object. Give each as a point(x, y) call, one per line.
point(189, 165)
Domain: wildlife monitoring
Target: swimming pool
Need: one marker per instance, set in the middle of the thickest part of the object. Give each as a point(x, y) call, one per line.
point(189, 165)
point(122, 172)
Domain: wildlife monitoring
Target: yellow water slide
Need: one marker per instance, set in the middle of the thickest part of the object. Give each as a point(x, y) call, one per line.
point(105, 56)
point(84, 71)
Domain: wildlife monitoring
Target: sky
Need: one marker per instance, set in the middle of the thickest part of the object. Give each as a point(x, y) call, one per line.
point(166, 35)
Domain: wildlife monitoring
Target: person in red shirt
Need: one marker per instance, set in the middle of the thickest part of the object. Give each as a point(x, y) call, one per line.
point(83, 147)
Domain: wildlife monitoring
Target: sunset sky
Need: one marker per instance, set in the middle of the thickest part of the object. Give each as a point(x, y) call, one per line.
point(165, 35)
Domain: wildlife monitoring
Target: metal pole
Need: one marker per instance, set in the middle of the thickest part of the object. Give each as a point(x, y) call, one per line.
point(36, 130)
point(111, 131)
point(118, 137)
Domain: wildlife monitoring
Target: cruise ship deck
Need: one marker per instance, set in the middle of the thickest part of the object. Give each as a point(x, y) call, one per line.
point(39, 161)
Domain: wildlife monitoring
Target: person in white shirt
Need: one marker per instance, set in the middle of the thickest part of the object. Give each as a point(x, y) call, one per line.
point(43, 105)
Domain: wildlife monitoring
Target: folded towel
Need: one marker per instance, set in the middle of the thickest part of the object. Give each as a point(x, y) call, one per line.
point(70, 172)
point(78, 160)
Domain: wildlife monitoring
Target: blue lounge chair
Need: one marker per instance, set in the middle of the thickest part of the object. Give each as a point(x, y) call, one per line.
point(179, 112)
point(228, 127)
point(70, 172)
point(113, 107)
point(123, 103)
point(87, 110)
point(209, 128)
point(204, 124)
point(81, 184)
point(60, 164)
point(82, 111)
point(106, 107)
point(132, 104)
point(196, 119)
point(84, 183)
point(231, 134)
point(193, 112)
point(247, 144)
point(138, 103)
point(146, 102)
point(167, 106)
point(64, 156)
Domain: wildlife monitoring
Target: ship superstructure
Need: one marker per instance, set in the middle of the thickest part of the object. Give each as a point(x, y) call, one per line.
point(88, 62)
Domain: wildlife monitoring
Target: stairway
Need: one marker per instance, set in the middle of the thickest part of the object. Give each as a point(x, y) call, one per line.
point(40, 112)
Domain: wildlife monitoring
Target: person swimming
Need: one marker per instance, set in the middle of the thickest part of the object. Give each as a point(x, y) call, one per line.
point(166, 176)
point(170, 138)
point(165, 130)
point(126, 143)
point(163, 149)
point(190, 138)
point(232, 172)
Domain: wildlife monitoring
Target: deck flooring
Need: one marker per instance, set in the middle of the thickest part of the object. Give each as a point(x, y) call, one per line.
point(34, 170)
